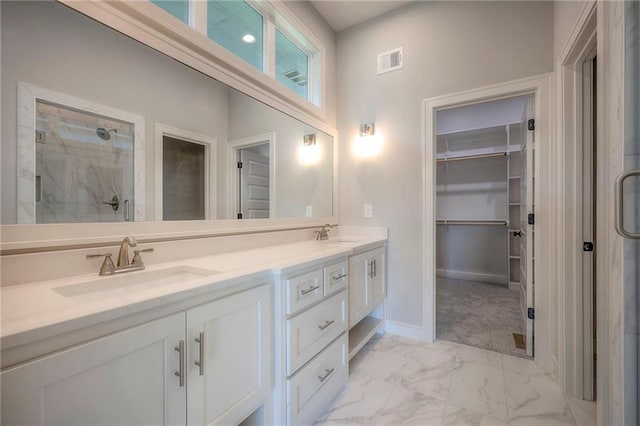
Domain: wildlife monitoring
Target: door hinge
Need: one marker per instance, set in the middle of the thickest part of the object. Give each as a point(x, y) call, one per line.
point(239, 164)
point(587, 246)
point(531, 313)
point(531, 124)
point(531, 219)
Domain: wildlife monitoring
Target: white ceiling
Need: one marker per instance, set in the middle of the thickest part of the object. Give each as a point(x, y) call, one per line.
point(342, 14)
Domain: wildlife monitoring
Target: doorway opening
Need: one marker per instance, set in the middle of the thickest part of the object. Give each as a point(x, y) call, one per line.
point(185, 174)
point(484, 234)
point(253, 176)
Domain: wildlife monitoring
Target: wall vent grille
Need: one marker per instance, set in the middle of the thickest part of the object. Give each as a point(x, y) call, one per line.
point(390, 61)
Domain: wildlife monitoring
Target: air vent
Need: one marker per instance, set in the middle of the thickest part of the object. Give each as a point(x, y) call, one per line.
point(296, 77)
point(390, 61)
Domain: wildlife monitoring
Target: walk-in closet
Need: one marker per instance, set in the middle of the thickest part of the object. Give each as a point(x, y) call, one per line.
point(484, 204)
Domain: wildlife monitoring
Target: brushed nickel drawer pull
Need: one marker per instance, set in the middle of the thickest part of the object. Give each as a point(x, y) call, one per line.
point(180, 373)
point(339, 277)
point(326, 324)
point(326, 375)
point(309, 290)
point(200, 362)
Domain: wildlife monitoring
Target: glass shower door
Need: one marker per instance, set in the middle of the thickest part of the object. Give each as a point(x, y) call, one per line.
point(84, 166)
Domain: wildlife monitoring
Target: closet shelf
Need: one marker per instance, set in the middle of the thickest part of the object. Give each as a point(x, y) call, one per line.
point(514, 177)
point(514, 257)
point(471, 157)
point(514, 204)
point(471, 222)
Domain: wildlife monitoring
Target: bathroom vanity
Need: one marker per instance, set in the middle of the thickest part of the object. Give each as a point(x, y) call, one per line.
point(208, 340)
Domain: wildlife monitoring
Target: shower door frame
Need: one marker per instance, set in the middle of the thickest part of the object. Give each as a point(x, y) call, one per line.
point(28, 96)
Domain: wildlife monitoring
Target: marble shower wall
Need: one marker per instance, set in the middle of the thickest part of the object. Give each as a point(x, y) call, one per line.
point(77, 171)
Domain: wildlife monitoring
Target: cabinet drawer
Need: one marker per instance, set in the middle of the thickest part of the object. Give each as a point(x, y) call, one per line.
point(314, 386)
point(314, 329)
point(303, 290)
point(335, 277)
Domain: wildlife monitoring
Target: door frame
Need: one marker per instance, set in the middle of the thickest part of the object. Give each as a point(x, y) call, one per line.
point(573, 346)
point(210, 188)
point(540, 88)
point(238, 144)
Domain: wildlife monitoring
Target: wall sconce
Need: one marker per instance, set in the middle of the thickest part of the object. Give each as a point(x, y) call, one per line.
point(367, 129)
point(368, 143)
point(309, 152)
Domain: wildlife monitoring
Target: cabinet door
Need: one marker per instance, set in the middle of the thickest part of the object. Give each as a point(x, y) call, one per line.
point(230, 374)
point(123, 379)
point(376, 278)
point(359, 270)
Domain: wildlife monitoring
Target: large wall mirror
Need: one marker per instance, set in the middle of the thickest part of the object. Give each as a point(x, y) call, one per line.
point(97, 127)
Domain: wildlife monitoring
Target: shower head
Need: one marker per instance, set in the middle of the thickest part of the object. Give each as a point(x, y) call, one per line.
point(104, 134)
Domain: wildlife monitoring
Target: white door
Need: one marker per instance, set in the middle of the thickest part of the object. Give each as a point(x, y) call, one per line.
point(359, 270)
point(230, 352)
point(254, 185)
point(527, 219)
point(123, 379)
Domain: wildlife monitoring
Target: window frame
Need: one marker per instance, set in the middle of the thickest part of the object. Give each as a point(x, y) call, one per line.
point(274, 17)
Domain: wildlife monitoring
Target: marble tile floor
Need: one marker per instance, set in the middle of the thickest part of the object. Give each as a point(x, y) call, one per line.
point(397, 381)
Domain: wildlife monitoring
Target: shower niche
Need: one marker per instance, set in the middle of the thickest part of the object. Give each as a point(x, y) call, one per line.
point(78, 161)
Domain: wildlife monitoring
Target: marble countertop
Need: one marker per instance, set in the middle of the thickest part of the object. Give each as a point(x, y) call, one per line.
point(36, 311)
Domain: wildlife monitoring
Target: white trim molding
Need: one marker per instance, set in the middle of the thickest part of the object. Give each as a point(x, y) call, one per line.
point(569, 159)
point(540, 87)
point(409, 331)
point(28, 95)
point(211, 165)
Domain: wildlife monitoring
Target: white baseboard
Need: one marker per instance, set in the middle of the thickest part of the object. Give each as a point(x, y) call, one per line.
point(472, 276)
point(409, 331)
point(515, 286)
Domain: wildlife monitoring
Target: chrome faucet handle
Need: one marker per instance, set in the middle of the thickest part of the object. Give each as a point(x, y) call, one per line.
point(123, 254)
point(137, 259)
point(107, 267)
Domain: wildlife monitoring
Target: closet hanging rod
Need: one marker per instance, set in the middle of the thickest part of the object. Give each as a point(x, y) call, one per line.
point(471, 157)
point(472, 222)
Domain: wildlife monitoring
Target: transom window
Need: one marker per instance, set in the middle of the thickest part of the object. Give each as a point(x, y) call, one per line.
point(259, 34)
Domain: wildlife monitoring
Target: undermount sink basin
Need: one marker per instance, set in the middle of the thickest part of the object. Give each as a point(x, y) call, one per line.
point(341, 240)
point(131, 281)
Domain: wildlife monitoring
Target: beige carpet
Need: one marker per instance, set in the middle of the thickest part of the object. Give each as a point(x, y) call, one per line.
point(478, 314)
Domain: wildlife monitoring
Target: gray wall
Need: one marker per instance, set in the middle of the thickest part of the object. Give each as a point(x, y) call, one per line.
point(448, 47)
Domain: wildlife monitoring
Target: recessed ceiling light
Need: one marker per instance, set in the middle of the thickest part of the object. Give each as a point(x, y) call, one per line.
point(248, 38)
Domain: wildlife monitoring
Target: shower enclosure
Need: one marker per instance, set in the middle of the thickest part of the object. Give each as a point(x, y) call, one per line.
point(84, 166)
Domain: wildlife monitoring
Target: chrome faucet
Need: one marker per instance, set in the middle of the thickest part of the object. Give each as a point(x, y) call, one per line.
point(123, 265)
point(323, 234)
point(123, 254)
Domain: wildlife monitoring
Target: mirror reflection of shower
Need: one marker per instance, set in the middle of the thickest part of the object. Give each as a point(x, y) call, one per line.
point(84, 165)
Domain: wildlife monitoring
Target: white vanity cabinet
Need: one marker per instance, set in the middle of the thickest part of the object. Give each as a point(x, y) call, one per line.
point(125, 378)
point(155, 373)
point(229, 357)
point(367, 282)
point(313, 364)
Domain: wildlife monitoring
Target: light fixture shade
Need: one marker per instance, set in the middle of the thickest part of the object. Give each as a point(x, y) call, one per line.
point(309, 152)
point(368, 143)
point(309, 139)
point(367, 129)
